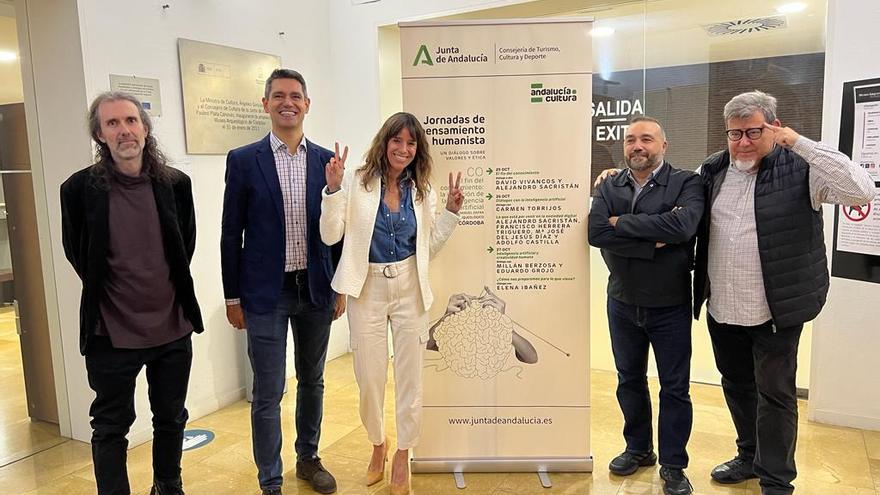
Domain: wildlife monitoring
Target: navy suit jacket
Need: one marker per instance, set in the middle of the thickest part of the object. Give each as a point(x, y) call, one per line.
point(253, 270)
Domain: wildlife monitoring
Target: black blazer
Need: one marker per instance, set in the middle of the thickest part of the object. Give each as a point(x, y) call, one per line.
point(85, 236)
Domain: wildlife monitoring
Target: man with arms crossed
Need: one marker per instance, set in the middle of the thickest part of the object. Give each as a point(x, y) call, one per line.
point(643, 220)
point(280, 274)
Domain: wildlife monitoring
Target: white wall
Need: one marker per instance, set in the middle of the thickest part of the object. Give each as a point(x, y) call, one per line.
point(140, 38)
point(844, 388)
point(355, 58)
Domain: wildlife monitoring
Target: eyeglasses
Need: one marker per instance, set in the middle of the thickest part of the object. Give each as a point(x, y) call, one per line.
point(737, 134)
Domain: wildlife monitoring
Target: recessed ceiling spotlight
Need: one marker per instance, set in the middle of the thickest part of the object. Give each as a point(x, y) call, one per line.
point(601, 31)
point(7, 56)
point(791, 8)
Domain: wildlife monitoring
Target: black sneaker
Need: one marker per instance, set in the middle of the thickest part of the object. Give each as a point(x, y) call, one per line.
point(675, 482)
point(312, 471)
point(628, 462)
point(733, 471)
point(272, 491)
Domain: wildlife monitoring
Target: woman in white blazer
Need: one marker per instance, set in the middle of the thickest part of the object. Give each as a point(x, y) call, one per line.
point(386, 211)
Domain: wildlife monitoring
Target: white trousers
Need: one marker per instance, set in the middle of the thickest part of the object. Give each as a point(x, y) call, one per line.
point(391, 293)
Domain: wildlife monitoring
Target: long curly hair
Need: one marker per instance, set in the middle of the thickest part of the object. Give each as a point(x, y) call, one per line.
point(376, 158)
point(155, 164)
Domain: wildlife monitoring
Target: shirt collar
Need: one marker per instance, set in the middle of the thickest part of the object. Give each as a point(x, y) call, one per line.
point(653, 173)
point(275, 142)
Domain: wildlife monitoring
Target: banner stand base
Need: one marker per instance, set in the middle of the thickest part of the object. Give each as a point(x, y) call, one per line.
point(535, 465)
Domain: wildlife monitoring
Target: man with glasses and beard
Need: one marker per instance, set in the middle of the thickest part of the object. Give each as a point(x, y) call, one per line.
point(643, 220)
point(761, 268)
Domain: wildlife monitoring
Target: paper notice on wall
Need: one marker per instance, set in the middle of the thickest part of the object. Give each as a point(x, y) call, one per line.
point(144, 89)
point(866, 135)
point(858, 228)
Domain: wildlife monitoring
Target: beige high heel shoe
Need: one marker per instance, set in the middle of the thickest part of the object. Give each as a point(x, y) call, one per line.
point(374, 477)
point(400, 488)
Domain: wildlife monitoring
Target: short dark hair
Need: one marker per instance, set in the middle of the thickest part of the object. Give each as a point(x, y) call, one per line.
point(285, 74)
point(645, 118)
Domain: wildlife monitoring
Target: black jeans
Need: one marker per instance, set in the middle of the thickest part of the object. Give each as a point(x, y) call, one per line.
point(668, 330)
point(758, 366)
point(112, 373)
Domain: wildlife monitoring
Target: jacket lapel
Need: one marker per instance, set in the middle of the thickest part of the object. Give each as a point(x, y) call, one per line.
point(167, 210)
point(315, 180)
point(266, 164)
point(98, 215)
point(421, 208)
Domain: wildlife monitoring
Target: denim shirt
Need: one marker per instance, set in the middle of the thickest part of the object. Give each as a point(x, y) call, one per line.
point(394, 233)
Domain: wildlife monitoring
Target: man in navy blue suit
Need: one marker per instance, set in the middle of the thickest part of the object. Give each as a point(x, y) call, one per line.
point(276, 271)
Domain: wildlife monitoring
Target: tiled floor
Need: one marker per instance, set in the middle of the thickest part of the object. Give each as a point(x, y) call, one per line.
point(831, 460)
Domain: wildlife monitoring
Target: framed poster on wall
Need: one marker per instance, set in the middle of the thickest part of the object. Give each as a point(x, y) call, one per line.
point(856, 253)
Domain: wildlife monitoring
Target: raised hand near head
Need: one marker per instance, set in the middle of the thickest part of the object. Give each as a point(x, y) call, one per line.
point(454, 198)
point(335, 170)
point(784, 136)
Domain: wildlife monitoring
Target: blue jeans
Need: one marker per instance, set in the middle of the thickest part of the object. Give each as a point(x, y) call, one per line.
point(267, 350)
point(668, 330)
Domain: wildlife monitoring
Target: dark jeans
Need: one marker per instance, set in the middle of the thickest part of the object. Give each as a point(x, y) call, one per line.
point(758, 366)
point(668, 331)
point(112, 374)
point(267, 349)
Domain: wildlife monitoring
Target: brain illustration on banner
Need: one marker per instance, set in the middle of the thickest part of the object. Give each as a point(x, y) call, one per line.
point(475, 342)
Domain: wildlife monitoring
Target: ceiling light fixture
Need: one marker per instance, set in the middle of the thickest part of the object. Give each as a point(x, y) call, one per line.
point(7, 56)
point(791, 8)
point(601, 31)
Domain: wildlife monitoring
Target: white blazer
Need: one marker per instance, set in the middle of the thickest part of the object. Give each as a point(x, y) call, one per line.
point(351, 212)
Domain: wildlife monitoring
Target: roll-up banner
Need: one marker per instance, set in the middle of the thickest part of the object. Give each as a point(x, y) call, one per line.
point(507, 368)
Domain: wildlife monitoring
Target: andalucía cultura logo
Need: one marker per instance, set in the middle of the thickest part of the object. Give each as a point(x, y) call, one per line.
point(540, 94)
point(446, 55)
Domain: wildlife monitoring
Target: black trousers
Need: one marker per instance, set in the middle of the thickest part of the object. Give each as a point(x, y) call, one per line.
point(758, 366)
point(112, 373)
point(668, 331)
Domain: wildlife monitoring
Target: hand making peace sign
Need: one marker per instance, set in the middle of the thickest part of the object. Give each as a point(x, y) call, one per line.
point(335, 170)
point(454, 198)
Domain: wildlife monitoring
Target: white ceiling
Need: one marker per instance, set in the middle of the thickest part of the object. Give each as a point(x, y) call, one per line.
point(663, 33)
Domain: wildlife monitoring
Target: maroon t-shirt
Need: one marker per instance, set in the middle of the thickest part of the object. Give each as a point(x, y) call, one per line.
point(139, 309)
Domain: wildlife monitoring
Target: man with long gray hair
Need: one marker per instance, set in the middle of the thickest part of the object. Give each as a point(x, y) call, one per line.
point(762, 270)
point(128, 229)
